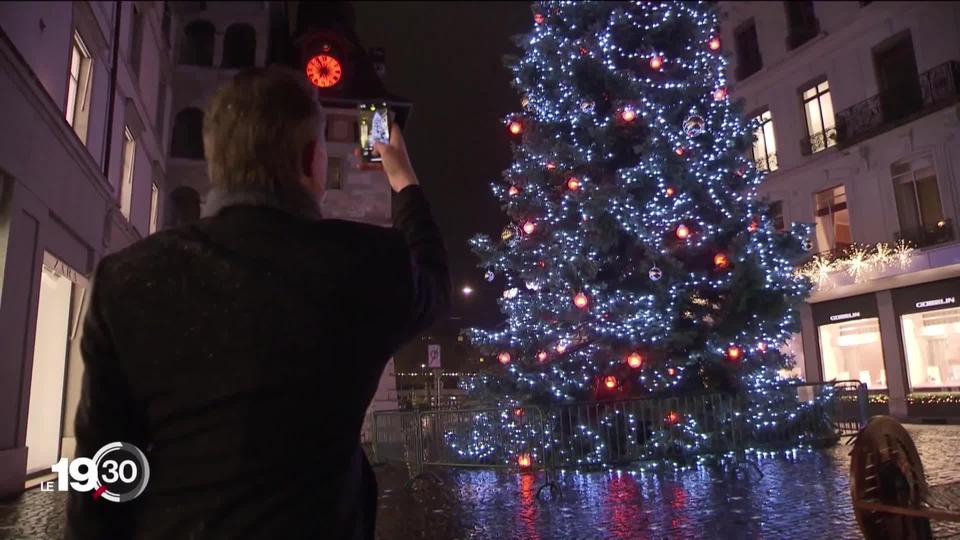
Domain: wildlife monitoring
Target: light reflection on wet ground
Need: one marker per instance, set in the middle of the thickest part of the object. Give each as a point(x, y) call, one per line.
point(801, 494)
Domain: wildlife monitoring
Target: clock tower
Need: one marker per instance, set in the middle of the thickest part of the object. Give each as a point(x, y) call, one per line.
point(318, 39)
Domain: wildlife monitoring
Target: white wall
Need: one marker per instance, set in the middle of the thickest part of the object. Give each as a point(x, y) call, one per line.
point(843, 53)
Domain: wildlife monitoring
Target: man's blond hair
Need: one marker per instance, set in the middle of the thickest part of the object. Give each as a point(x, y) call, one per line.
point(255, 128)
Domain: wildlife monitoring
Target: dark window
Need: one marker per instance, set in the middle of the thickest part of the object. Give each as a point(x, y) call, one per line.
point(161, 106)
point(136, 39)
point(334, 173)
point(776, 215)
point(748, 50)
point(196, 48)
point(919, 208)
point(802, 23)
point(184, 207)
point(897, 78)
point(165, 24)
point(239, 46)
point(187, 135)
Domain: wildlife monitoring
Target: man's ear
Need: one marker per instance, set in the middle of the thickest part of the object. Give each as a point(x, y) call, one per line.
point(307, 157)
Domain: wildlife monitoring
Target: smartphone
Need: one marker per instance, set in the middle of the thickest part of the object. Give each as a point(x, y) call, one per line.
point(374, 124)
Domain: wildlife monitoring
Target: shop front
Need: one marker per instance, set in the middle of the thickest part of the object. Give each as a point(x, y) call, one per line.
point(928, 317)
point(848, 341)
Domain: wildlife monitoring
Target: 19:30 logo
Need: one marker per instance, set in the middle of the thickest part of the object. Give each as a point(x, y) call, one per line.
point(118, 472)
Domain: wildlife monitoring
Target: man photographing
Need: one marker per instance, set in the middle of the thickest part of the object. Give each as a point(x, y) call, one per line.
point(240, 353)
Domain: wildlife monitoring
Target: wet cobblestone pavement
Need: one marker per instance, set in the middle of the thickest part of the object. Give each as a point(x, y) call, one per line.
point(799, 495)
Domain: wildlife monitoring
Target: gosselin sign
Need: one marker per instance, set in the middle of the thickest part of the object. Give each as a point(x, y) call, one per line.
point(936, 302)
point(845, 316)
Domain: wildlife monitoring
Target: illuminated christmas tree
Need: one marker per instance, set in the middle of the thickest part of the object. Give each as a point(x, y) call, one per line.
point(638, 260)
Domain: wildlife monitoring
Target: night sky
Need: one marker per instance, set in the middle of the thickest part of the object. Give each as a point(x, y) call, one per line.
point(447, 58)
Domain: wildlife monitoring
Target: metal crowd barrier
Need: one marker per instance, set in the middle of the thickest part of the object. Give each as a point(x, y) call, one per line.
point(640, 429)
point(615, 432)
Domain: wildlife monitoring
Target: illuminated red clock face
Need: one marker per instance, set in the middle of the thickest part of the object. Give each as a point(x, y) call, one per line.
point(324, 70)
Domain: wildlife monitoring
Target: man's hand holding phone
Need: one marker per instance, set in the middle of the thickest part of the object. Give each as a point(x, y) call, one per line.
point(396, 162)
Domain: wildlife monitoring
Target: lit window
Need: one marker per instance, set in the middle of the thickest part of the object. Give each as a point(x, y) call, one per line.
point(833, 219)
point(918, 202)
point(931, 343)
point(764, 145)
point(154, 206)
point(819, 111)
point(126, 178)
point(78, 89)
point(852, 351)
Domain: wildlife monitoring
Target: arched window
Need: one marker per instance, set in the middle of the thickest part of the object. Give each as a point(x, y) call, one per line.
point(239, 46)
point(184, 206)
point(196, 49)
point(187, 134)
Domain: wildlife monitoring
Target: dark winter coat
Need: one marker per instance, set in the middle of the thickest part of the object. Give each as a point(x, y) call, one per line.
point(240, 354)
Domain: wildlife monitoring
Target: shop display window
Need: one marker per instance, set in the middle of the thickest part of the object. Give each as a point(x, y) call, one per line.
point(851, 350)
point(931, 346)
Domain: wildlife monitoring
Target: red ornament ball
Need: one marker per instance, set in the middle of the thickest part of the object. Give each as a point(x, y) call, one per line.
point(671, 372)
point(628, 115)
point(753, 226)
point(656, 61)
point(538, 18)
point(504, 357)
point(580, 300)
point(680, 151)
point(634, 360)
point(762, 347)
point(610, 382)
point(734, 352)
point(669, 191)
point(513, 191)
point(551, 165)
point(542, 356)
point(672, 418)
point(518, 412)
point(720, 93)
point(529, 227)
point(561, 348)
point(683, 232)
point(714, 43)
point(573, 183)
point(720, 260)
point(515, 127)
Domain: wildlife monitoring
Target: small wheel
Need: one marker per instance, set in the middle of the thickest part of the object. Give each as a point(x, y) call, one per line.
point(885, 468)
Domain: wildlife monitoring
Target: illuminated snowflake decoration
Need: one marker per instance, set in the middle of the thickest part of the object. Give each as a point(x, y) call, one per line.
point(857, 263)
point(882, 257)
point(903, 253)
point(860, 263)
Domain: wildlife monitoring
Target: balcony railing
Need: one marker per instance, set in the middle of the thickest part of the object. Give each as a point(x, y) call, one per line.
point(767, 163)
point(940, 232)
point(818, 141)
point(938, 88)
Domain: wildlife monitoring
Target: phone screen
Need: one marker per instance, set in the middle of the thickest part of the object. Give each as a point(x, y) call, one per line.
point(374, 123)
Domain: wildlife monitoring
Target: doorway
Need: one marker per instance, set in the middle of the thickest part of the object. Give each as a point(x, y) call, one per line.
point(57, 365)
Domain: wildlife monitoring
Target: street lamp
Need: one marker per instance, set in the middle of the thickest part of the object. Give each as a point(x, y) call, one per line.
point(467, 290)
